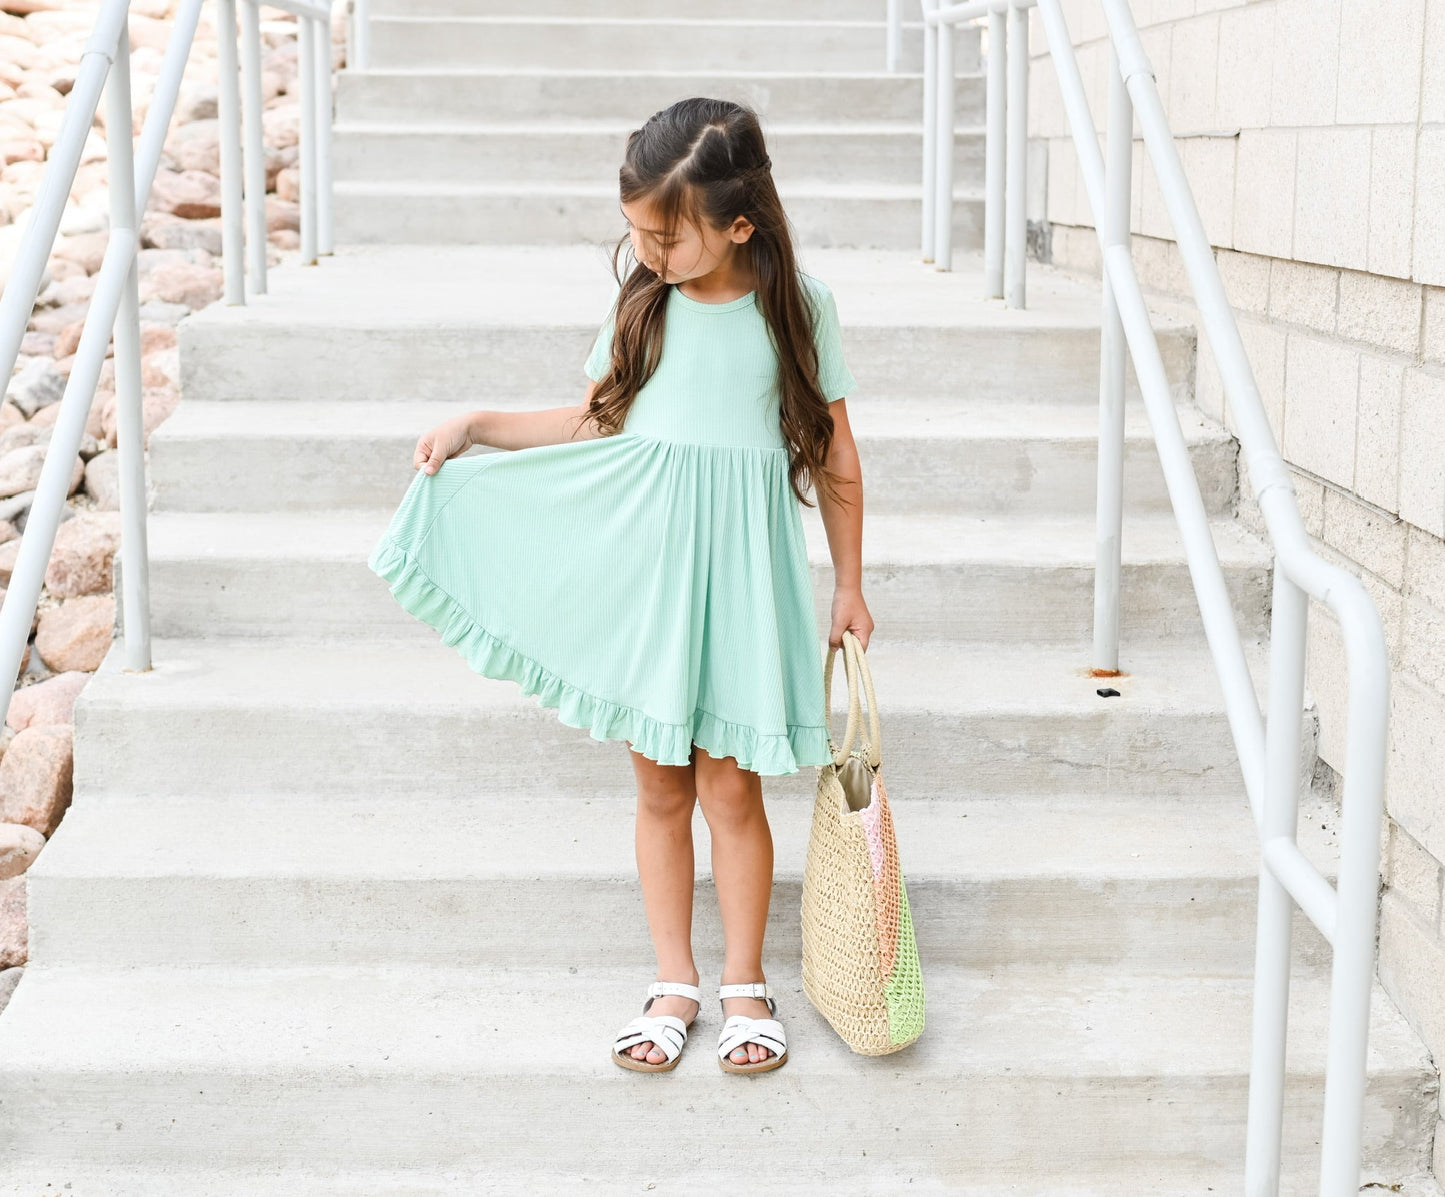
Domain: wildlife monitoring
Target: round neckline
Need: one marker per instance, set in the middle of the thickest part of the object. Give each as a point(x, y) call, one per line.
point(741, 301)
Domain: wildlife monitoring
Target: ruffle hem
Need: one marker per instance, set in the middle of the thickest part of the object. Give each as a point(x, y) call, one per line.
point(665, 743)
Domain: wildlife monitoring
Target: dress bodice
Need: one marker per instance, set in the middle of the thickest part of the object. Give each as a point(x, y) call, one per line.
point(717, 380)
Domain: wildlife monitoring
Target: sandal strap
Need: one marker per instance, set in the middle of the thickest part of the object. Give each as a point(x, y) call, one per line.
point(757, 989)
point(740, 1029)
point(667, 1031)
point(680, 988)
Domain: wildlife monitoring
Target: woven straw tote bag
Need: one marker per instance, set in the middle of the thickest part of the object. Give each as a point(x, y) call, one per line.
point(860, 962)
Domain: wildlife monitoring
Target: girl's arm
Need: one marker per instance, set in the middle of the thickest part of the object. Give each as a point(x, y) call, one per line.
point(844, 524)
point(525, 429)
point(504, 430)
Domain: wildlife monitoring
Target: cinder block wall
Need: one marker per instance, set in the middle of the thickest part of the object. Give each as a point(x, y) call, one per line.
point(1313, 133)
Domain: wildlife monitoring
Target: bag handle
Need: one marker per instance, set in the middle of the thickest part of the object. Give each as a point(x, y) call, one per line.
point(855, 666)
point(840, 754)
point(875, 733)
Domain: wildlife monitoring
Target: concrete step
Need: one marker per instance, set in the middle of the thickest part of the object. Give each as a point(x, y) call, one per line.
point(817, 10)
point(353, 714)
point(439, 95)
point(650, 42)
point(453, 1068)
point(1160, 882)
point(924, 456)
point(510, 326)
point(551, 151)
point(1000, 580)
point(680, 1181)
point(822, 213)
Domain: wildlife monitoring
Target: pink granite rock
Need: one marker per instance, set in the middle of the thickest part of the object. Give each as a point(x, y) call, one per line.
point(19, 845)
point(195, 146)
point(35, 777)
point(162, 367)
point(48, 702)
point(83, 557)
point(20, 469)
point(157, 403)
point(76, 288)
point(186, 193)
point(13, 150)
point(86, 249)
point(288, 184)
point(9, 978)
point(102, 480)
point(281, 125)
point(281, 214)
point(77, 634)
point(195, 286)
point(14, 931)
point(156, 336)
point(67, 340)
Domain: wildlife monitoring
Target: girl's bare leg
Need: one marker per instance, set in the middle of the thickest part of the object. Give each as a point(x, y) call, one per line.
point(742, 867)
point(666, 797)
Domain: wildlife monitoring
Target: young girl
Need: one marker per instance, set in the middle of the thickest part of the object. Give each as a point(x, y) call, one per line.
point(638, 561)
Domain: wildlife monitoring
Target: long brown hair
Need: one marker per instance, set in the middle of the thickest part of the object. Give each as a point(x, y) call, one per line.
point(698, 160)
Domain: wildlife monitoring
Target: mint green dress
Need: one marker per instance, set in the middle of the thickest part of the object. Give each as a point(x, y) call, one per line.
point(652, 585)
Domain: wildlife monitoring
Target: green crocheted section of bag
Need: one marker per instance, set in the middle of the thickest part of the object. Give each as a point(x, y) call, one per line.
point(904, 988)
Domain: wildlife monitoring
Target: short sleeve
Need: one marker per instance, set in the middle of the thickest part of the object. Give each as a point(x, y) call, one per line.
point(834, 377)
point(600, 357)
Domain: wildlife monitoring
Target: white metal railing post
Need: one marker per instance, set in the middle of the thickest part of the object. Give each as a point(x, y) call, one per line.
point(361, 24)
point(104, 69)
point(1345, 913)
point(1113, 353)
point(930, 123)
point(163, 99)
point(1352, 971)
point(228, 125)
point(895, 28)
point(993, 150)
point(129, 408)
point(23, 283)
point(1016, 157)
point(1275, 916)
point(1352, 902)
point(53, 486)
point(939, 101)
point(306, 65)
point(1215, 606)
point(22, 595)
point(254, 156)
point(321, 91)
point(943, 150)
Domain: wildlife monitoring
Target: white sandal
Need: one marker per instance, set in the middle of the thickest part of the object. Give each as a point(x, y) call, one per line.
point(667, 1032)
point(740, 1029)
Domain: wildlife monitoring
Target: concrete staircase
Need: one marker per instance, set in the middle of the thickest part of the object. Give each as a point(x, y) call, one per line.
point(509, 127)
point(332, 914)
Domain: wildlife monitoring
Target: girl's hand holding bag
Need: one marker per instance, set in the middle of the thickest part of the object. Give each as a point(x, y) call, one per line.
point(860, 962)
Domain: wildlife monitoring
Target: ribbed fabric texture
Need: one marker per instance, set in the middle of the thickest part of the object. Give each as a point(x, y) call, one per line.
point(651, 586)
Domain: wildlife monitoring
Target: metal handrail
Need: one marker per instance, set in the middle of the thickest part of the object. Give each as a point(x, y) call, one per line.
point(1345, 913)
point(358, 34)
point(1005, 234)
point(114, 304)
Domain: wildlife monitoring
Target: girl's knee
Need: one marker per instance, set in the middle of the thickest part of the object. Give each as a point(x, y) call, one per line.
point(728, 793)
point(664, 790)
point(665, 800)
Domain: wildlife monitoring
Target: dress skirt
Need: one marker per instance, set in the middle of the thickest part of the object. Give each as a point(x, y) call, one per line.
point(650, 590)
